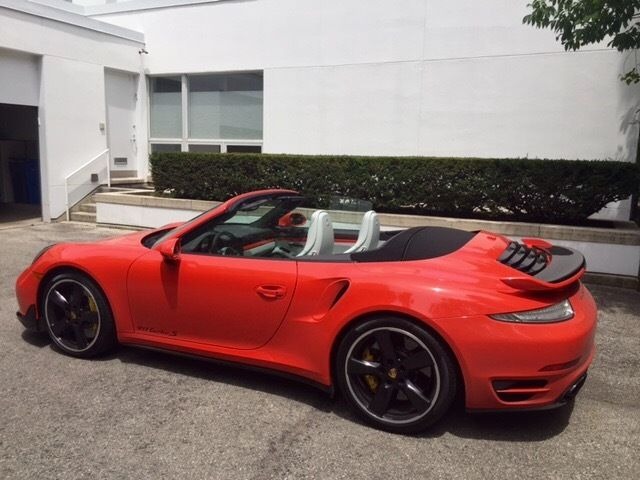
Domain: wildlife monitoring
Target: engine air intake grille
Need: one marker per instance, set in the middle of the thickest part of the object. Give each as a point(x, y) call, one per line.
point(523, 258)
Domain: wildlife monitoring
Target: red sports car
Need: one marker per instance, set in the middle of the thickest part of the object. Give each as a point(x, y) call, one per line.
point(398, 321)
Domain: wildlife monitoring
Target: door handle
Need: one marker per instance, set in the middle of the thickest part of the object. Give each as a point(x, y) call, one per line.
point(271, 292)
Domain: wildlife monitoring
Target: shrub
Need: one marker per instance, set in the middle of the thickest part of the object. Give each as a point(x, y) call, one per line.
point(552, 191)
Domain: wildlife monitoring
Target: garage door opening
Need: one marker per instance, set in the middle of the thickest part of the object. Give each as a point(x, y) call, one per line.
point(19, 164)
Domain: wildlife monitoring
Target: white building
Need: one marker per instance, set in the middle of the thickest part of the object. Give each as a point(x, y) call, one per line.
point(372, 77)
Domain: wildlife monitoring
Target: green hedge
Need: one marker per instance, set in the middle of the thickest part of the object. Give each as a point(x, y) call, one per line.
point(552, 191)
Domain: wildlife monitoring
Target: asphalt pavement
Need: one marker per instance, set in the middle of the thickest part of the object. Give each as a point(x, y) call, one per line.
point(138, 414)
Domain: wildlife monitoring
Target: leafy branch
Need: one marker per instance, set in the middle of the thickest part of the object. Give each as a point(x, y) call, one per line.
point(583, 22)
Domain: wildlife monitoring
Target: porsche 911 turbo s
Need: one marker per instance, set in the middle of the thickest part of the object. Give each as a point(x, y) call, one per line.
point(399, 322)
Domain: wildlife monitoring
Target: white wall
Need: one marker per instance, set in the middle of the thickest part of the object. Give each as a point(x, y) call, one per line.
point(536, 106)
point(276, 33)
point(37, 35)
point(68, 85)
point(434, 77)
point(72, 101)
point(356, 109)
point(141, 216)
point(19, 78)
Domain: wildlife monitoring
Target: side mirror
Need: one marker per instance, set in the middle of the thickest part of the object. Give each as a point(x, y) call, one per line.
point(170, 250)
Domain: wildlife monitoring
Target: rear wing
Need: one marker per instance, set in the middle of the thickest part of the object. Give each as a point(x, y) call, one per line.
point(542, 266)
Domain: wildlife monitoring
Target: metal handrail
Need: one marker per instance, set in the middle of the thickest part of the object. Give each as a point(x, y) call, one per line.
point(66, 179)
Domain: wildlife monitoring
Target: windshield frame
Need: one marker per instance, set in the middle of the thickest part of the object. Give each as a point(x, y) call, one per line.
point(225, 210)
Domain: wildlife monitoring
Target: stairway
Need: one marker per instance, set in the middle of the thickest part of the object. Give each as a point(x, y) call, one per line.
point(85, 210)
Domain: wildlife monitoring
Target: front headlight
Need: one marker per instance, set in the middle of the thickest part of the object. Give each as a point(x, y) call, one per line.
point(41, 252)
point(555, 313)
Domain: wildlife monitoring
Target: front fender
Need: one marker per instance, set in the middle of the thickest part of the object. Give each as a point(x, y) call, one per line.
point(106, 264)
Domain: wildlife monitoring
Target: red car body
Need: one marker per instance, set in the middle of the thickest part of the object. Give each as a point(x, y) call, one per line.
point(289, 314)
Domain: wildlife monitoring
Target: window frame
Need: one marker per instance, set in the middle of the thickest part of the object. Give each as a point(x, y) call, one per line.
point(185, 140)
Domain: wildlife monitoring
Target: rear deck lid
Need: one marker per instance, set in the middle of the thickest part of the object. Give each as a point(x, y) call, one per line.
point(545, 266)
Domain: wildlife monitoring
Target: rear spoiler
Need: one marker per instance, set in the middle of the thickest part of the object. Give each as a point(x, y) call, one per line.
point(565, 266)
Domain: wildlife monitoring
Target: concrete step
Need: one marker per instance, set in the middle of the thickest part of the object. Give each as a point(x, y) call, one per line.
point(88, 207)
point(128, 181)
point(117, 173)
point(125, 188)
point(83, 217)
point(85, 210)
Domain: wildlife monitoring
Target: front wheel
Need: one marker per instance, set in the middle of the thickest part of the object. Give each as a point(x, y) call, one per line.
point(77, 315)
point(395, 374)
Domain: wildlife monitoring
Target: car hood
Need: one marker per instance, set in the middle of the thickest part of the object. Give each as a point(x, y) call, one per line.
point(128, 239)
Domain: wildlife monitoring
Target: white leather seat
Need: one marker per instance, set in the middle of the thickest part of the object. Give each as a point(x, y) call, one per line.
point(369, 235)
point(320, 235)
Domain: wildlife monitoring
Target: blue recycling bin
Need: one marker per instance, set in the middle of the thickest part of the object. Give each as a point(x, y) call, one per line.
point(32, 174)
point(25, 180)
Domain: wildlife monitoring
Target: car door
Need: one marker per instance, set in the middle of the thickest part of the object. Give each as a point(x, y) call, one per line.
point(225, 301)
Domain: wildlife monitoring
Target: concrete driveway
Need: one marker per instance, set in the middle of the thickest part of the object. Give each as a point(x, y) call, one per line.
point(138, 414)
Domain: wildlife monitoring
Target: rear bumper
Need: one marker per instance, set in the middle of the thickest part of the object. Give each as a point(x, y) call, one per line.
point(569, 395)
point(527, 366)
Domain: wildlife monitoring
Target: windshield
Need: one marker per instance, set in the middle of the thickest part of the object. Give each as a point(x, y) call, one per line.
point(254, 228)
point(263, 212)
point(258, 212)
point(185, 226)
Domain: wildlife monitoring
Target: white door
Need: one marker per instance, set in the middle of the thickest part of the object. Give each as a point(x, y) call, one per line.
point(121, 92)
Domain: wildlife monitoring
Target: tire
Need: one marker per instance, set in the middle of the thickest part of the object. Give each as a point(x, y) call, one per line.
point(77, 316)
point(395, 374)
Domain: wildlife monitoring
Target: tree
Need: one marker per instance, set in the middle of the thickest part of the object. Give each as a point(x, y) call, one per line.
point(582, 22)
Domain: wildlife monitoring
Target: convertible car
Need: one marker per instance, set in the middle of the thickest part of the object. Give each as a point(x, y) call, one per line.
point(399, 322)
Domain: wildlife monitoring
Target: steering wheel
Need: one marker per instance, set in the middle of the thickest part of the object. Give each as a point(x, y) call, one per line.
point(225, 243)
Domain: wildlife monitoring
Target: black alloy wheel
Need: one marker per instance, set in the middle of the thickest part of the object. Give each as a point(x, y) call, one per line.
point(396, 375)
point(77, 316)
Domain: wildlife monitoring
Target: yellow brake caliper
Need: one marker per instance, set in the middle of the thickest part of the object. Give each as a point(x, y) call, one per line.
point(372, 381)
point(94, 309)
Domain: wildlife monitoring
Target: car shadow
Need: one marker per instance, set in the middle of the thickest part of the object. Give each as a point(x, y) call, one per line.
point(532, 426)
point(230, 374)
point(516, 426)
point(37, 339)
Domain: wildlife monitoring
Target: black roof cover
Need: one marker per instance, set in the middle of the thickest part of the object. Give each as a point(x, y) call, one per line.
point(418, 243)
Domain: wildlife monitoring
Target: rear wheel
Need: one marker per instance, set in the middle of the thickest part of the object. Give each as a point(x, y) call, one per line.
point(396, 375)
point(77, 316)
